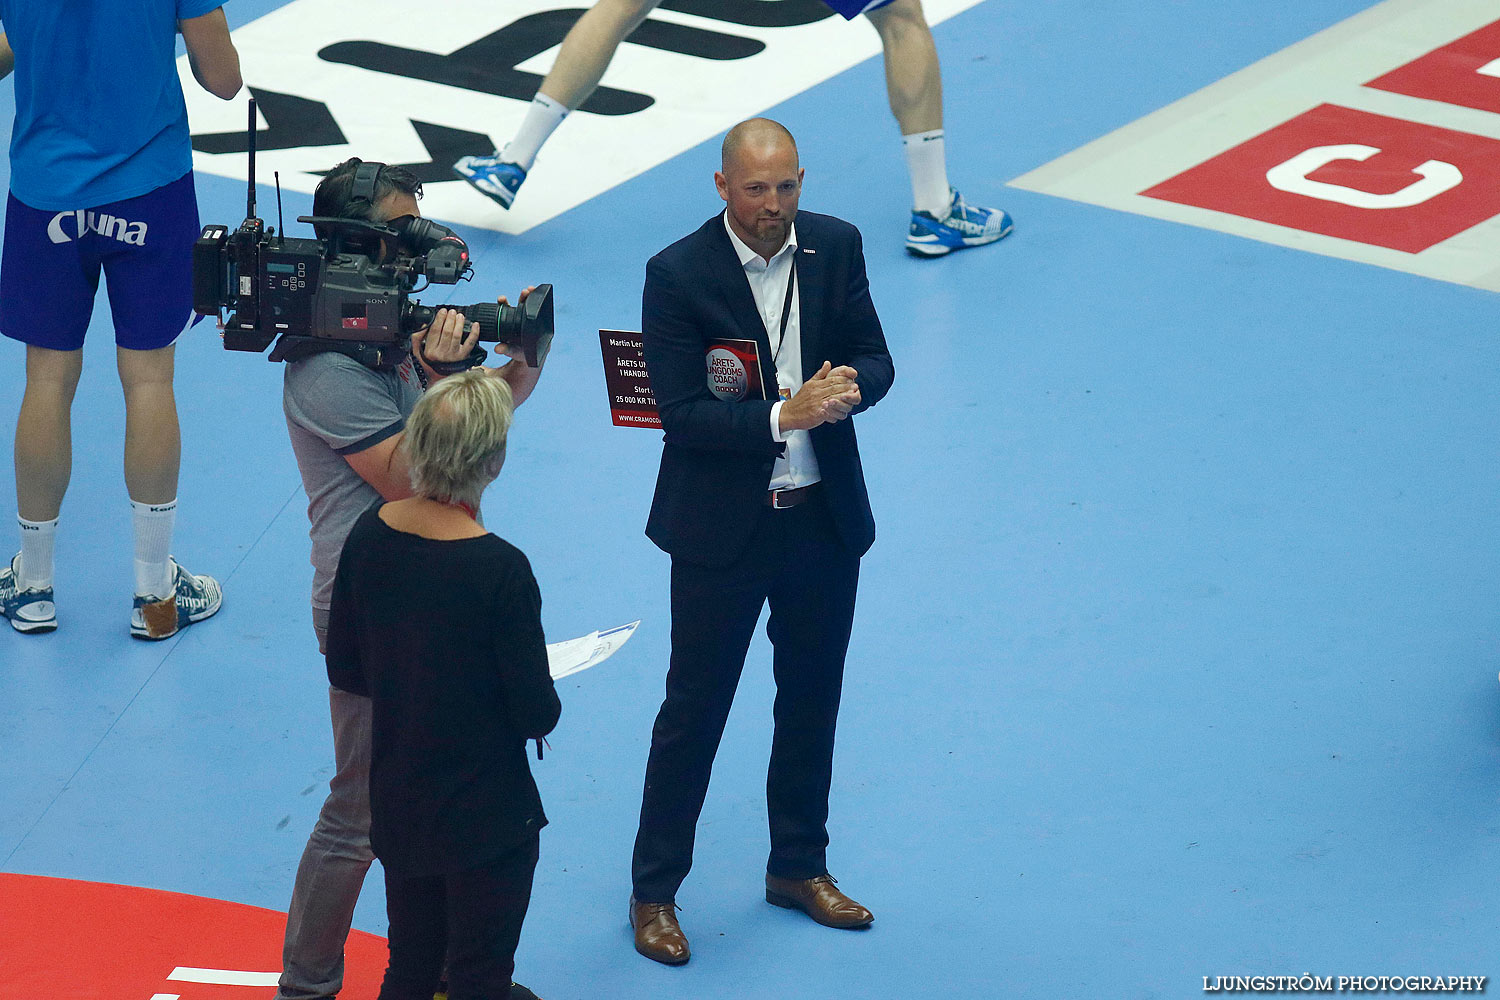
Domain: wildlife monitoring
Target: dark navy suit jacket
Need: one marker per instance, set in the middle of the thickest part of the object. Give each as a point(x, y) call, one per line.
point(717, 455)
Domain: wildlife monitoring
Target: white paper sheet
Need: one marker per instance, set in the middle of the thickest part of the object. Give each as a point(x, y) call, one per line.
point(572, 655)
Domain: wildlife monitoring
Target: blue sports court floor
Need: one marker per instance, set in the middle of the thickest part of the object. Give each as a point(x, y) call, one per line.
point(1175, 656)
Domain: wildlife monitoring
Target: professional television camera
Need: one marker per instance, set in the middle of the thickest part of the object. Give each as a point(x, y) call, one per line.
point(347, 291)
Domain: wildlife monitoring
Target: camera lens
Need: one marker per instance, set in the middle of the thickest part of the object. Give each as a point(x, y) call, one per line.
point(527, 326)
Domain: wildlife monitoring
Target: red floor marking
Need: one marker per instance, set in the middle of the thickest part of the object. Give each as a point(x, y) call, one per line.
point(72, 940)
point(1452, 74)
point(1236, 181)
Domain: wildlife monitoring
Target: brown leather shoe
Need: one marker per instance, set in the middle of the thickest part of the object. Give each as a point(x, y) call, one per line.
point(657, 933)
point(818, 898)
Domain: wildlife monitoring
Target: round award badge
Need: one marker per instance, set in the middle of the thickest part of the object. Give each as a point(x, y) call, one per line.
point(726, 375)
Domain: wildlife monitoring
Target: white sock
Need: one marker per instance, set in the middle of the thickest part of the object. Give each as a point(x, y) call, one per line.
point(153, 539)
point(542, 119)
point(34, 572)
point(928, 164)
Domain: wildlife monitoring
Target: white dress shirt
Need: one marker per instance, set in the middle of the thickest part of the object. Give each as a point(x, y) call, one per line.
point(797, 466)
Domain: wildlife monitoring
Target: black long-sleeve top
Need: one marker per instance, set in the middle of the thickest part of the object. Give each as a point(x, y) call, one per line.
point(445, 637)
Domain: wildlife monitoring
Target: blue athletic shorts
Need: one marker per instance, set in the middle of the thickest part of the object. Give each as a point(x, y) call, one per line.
point(850, 9)
point(49, 272)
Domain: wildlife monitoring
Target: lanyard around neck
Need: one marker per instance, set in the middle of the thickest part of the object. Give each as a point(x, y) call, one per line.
point(786, 308)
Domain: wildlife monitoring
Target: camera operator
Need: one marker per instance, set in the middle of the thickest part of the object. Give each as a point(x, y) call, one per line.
point(346, 423)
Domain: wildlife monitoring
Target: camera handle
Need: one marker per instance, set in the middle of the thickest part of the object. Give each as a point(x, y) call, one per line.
point(339, 229)
point(475, 359)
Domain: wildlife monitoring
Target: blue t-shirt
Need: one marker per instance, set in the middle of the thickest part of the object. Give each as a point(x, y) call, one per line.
point(99, 109)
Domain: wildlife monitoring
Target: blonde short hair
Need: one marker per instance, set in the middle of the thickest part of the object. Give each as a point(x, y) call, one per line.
point(455, 436)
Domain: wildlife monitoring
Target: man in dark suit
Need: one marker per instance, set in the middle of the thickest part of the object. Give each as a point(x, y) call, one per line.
point(760, 497)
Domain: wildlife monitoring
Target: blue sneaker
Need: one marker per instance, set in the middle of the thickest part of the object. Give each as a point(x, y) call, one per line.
point(193, 599)
point(962, 227)
point(492, 177)
point(28, 610)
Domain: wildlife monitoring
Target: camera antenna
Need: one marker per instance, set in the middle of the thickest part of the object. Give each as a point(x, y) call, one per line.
point(280, 222)
point(250, 138)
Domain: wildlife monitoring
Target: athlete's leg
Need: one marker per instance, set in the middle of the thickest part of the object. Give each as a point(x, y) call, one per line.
point(44, 463)
point(913, 78)
point(47, 282)
point(47, 285)
point(153, 442)
point(44, 431)
point(589, 46)
point(150, 296)
point(941, 220)
point(585, 54)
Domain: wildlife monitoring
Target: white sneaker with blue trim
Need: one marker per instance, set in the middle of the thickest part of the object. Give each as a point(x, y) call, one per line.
point(193, 598)
point(30, 610)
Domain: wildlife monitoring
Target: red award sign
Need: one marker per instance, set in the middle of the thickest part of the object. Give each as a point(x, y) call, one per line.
point(733, 371)
point(630, 401)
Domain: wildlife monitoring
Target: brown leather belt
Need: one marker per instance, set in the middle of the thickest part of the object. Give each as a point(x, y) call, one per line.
point(782, 499)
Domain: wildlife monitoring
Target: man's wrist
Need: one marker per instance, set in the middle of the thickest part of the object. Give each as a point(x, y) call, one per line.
point(521, 377)
point(777, 434)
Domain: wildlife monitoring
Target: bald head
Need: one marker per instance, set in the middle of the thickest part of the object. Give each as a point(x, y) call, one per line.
point(760, 136)
point(761, 181)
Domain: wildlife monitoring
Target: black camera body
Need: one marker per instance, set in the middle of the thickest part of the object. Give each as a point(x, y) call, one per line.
point(349, 290)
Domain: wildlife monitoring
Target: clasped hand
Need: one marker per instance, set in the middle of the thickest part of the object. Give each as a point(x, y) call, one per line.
point(826, 398)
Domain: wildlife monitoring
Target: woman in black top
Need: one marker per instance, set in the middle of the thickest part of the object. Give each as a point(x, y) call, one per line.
point(439, 623)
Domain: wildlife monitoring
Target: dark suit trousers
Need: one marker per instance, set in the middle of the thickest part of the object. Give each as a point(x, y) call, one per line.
point(797, 562)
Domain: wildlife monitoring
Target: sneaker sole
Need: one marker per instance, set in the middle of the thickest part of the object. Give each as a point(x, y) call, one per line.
point(918, 249)
point(502, 200)
point(22, 622)
point(928, 249)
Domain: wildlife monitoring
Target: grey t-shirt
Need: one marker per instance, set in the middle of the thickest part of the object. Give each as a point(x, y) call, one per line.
point(334, 407)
